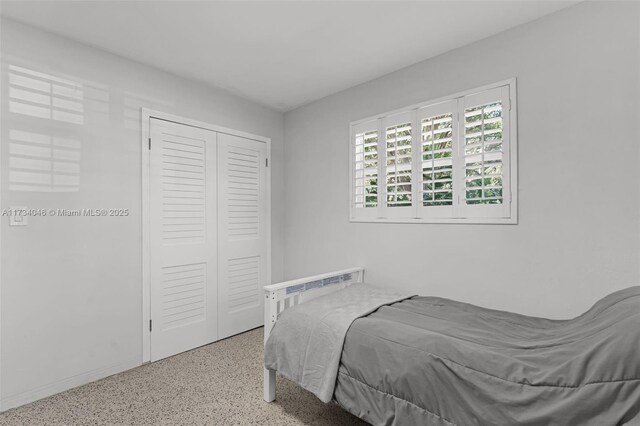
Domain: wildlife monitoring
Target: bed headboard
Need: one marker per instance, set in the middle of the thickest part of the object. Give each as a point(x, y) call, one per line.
point(283, 295)
point(279, 297)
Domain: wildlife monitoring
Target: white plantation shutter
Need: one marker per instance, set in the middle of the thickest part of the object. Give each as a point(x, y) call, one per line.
point(365, 165)
point(398, 165)
point(451, 161)
point(484, 148)
point(438, 130)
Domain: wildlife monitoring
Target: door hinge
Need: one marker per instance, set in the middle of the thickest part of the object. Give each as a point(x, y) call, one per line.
point(150, 325)
point(266, 162)
point(149, 144)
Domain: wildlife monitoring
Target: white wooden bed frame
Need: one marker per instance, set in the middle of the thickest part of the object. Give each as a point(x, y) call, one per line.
point(279, 297)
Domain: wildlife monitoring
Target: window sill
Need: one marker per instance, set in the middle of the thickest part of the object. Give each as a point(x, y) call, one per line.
point(448, 221)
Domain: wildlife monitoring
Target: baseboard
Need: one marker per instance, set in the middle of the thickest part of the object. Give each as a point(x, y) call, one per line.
point(22, 398)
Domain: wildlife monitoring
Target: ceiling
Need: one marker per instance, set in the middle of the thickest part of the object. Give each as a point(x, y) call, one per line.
point(280, 54)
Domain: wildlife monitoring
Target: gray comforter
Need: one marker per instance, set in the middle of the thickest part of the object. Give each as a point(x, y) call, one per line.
point(433, 361)
point(306, 341)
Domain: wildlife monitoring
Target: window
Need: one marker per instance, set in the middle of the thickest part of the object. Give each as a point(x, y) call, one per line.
point(448, 161)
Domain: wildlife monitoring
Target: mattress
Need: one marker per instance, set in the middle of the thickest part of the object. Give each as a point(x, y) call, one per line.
point(433, 361)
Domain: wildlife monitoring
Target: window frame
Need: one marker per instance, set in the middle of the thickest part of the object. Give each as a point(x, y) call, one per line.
point(421, 214)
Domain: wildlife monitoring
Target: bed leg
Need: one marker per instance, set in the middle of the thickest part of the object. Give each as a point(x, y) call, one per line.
point(269, 385)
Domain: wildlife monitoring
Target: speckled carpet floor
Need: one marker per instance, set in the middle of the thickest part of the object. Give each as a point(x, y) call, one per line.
point(217, 384)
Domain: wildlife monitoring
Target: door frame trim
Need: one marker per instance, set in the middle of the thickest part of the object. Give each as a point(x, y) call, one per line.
point(147, 115)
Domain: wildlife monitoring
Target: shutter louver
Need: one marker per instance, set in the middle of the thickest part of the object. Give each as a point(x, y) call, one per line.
point(483, 153)
point(365, 170)
point(437, 160)
point(398, 170)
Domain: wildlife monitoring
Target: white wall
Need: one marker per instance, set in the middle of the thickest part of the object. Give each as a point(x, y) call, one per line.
point(578, 232)
point(71, 287)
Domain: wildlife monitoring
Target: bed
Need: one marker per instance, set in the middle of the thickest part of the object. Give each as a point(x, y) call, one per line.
point(395, 358)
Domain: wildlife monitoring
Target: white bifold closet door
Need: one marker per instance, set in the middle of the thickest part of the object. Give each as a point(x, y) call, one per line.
point(183, 238)
point(242, 233)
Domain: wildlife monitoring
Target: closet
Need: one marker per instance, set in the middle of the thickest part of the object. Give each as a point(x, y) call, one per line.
point(208, 235)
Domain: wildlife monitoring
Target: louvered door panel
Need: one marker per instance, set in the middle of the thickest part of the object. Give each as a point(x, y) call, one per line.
point(184, 298)
point(183, 238)
point(243, 173)
point(183, 190)
point(242, 233)
point(244, 283)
